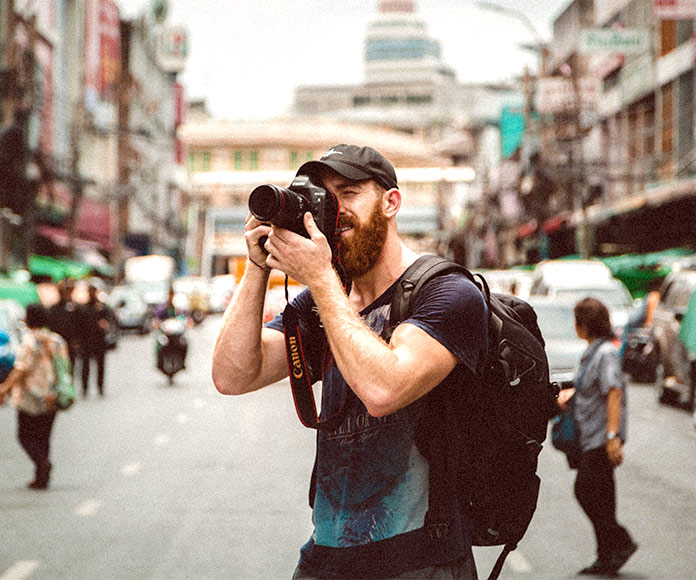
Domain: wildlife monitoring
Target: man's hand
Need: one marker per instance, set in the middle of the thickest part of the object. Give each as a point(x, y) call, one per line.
point(254, 230)
point(300, 258)
point(615, 451)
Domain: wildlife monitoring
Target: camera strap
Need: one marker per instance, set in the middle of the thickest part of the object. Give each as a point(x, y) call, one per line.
point(300, 376)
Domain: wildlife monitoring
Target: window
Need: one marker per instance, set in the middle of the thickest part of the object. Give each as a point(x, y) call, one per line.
point(294, 157)
point(199, 161)
point(254, 160)
point(237, 160)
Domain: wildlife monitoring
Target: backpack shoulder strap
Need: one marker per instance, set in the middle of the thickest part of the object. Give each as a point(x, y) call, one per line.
point(414, 278)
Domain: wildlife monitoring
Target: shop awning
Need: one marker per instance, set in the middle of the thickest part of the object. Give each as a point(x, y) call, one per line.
point(58, 268)
point(24, 293)
point(61, 237)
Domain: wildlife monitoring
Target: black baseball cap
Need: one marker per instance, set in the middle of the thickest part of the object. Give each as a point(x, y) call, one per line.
point(357, 163)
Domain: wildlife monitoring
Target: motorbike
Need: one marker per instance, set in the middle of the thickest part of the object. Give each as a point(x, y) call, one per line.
point(640, 355)
point(171, 347)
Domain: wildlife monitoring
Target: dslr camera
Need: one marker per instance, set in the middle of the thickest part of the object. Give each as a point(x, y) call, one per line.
point(285, 208)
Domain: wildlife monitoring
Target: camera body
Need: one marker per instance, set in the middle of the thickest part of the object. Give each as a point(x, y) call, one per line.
point(285, 208)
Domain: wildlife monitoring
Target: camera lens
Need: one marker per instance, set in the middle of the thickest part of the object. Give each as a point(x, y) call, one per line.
point(266, 202)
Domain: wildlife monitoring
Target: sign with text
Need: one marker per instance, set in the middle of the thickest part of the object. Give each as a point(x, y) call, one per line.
point(172, 48)
point(614, 40)
point(674, 9)
point(559, 94)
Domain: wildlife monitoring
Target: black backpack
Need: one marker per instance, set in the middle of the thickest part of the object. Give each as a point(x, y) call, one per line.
point(507, 407)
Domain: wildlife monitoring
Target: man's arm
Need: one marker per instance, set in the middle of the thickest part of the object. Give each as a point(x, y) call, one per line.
point(247, 356)
point(385, 376)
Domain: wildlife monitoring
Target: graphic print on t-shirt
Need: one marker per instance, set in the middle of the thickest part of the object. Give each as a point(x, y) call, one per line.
point(377, 486)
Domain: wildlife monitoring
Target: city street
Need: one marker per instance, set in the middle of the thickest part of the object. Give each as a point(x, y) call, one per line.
point(159, 482)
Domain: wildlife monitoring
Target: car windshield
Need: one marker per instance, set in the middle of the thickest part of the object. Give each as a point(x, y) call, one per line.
point(556, 320)
point(612, 297)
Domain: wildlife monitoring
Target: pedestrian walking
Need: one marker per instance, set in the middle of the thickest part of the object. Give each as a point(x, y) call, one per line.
point(599, 410)
point(371, 489)
point(31, 384)
point(93, 321)
point(62, 317)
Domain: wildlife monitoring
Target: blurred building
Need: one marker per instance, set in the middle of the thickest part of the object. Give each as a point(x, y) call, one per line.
point(407, 85)
point(94, 102)
point(227, 160)
point(409, 88)
point(613, 167)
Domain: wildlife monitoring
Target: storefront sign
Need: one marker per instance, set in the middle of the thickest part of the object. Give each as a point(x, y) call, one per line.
point(614, 40)
point(558, 94)
point(102, 60)
point(172, 48)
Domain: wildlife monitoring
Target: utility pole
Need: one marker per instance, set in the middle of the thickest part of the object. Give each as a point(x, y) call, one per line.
point(124, 152)
point(577, 164)
point(7, 60)
point(75, 177)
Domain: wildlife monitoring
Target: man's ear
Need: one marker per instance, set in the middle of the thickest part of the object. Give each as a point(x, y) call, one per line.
point(391, 202)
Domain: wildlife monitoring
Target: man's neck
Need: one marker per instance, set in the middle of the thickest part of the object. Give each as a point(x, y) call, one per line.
point(391, 263)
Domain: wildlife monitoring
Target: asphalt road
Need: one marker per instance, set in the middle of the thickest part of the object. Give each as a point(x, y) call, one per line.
point(156, 482)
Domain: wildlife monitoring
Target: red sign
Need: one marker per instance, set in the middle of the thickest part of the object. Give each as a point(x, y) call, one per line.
point(674, 9)
point(102, 51)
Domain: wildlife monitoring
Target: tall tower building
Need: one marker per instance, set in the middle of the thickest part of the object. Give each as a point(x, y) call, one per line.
point(399, 50)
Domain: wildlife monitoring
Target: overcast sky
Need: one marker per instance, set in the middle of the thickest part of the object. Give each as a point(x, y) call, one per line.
point(247, 56)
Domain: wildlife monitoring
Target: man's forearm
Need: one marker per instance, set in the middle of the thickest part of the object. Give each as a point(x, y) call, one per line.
point(237, 356)
point(367, 362)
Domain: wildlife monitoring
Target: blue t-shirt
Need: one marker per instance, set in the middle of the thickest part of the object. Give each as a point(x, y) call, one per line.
point(372, 478)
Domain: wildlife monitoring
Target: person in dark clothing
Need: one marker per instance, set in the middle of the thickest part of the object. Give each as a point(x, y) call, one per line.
point(94, 319)
point(62, 318)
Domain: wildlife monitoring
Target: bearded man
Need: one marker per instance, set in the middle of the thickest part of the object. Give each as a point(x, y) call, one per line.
point(370, 492)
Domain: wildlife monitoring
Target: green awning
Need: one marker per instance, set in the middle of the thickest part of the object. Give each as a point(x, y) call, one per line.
point(58, 268)
point(637, 271)
point(23, 292)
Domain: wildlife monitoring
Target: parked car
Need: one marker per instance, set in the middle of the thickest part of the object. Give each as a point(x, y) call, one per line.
point(568, 274)
point(511, 281)
point(130, 309)
point(673, 374)
point(563, 347)
point(154, 292)
point(612, 293)
point(573, 280)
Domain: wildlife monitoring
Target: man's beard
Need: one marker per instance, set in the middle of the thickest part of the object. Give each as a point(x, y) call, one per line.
point(360, 250)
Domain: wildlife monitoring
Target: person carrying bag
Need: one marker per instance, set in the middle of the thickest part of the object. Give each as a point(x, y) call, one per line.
point(599, 412)
point(33, 387)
